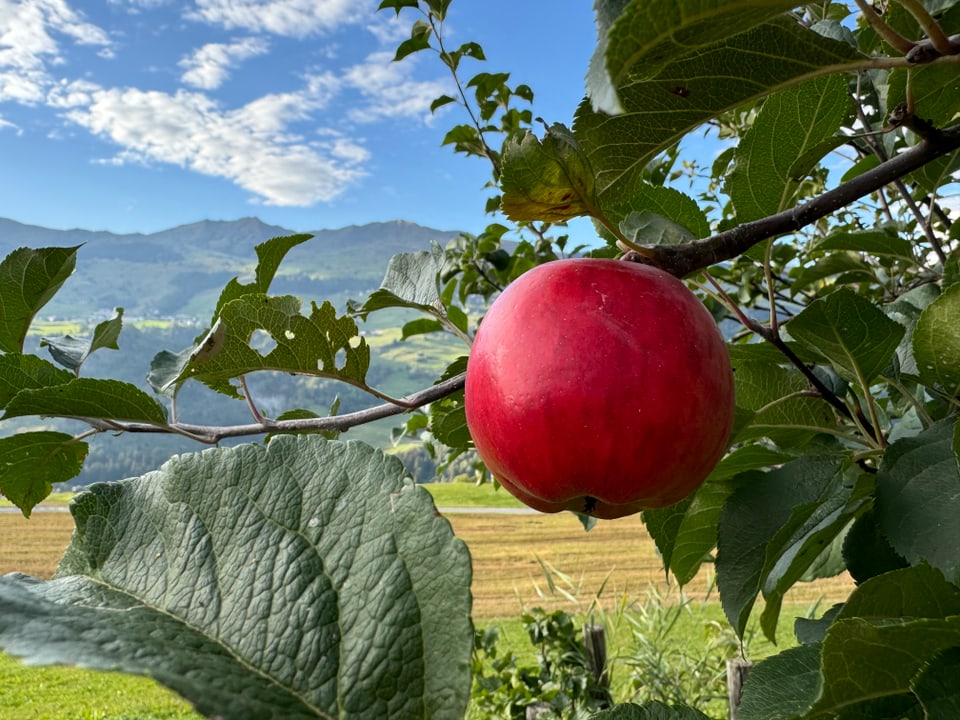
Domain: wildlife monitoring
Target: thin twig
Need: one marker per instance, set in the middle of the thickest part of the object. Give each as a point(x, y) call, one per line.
point(212, 434)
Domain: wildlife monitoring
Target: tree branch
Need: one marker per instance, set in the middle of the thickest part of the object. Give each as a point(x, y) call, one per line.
point(213, 434)
point(687, 258)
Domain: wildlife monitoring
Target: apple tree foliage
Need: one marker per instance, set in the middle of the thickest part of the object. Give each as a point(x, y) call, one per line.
point(305, 577)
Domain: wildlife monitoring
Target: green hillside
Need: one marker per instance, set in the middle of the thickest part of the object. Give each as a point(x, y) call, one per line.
point(168, 284)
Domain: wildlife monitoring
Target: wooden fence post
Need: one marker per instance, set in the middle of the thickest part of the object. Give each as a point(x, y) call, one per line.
point(536, 710)
point(595, 646)
point(737, 671)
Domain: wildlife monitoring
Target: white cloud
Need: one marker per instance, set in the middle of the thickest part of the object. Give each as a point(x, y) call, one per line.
point(390, 91)
point(210, 65)
point(292, 18)
point(247, 146)
point(28, 47)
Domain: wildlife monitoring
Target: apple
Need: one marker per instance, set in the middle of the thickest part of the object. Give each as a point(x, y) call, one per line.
point(599, 386)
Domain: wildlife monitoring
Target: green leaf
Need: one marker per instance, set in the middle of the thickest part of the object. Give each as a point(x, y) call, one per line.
point(812, 631)
point(849, 331)
point(640, 38)
point(936, 342)
point(867, 552)
point(448, 421)
point(269, 256)
point(686, 532)
point(28, 280)
point(907, 310)
point(783, 686)
point(88, 398)
point(791, 124)
point(774, 402)
point(412, 281)
point(812, 528)
point(934, 90)
point(870, 665)
point(547, 179)
point(320, 344)
point(419, 40)
point(20, 372)
point(300, 579)
point(650, 710)
point(773, 516)
point(919, 591)
point(659, 111)
point(836, 263)
point(880, 243)
point(71, 352)
point(420, 326)
point(918, 499)
point(397, 5)
point(31, 462)
point(936, 686)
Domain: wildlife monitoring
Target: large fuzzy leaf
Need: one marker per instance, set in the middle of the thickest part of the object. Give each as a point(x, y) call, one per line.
point(302, 579)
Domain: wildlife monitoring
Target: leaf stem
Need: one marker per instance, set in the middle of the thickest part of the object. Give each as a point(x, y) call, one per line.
point(930, 27)
point(897, 41)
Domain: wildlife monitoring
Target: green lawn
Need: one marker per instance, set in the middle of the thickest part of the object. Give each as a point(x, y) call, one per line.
point(464, 494)
point(61, 499)
point(64, 693)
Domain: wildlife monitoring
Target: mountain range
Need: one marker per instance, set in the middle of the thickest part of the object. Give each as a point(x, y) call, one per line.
point(180, 271)
point(174, 277)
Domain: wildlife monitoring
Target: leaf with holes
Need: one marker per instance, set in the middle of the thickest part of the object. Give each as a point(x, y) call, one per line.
point(320, 344)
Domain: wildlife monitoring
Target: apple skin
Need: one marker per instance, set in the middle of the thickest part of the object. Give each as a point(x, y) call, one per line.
point(599, 386)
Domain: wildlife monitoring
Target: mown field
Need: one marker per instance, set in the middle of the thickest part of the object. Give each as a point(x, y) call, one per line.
point(520, 560)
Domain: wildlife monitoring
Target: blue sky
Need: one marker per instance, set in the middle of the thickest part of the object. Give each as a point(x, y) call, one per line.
point(140, 115)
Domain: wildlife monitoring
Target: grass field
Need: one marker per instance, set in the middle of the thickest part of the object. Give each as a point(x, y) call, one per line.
point(518, 560)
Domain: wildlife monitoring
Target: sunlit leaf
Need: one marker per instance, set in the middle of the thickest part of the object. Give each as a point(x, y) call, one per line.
point(791, 124)
point(320, 344)
point(71, 352)
point(548, 179)
point(269, 256)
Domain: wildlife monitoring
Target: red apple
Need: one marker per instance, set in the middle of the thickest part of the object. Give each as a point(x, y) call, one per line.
point(599, 386)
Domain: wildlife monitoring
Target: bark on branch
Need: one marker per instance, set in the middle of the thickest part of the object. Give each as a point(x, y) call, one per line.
point(213, 434)
point(682, 260)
